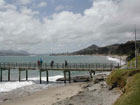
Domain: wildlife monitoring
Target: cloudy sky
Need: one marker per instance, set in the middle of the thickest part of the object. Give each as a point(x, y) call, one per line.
point(47, 26)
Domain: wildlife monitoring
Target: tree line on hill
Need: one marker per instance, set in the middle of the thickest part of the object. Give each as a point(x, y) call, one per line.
point(127, 48)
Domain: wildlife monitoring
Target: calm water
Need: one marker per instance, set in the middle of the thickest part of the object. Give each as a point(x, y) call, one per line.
point(48, 59)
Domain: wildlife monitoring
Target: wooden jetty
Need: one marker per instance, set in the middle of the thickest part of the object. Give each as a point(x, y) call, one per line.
point(90, 67)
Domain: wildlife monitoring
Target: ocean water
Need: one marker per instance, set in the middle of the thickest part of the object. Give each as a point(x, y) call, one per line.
point(53, 75)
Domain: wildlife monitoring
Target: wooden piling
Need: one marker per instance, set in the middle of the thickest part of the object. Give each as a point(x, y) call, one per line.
point(40, 77)
point(19, 74)
point(8, 74)
point(47, 76)
point(64, 76)
point(26, 74)
point(69, 77)
point(1, 75)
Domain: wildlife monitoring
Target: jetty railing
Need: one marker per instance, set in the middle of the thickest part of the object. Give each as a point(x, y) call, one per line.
point(59, 66)
point(45, 67)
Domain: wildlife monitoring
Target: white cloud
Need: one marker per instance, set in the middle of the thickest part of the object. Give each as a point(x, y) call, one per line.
point(20, 31)
point(42, 4)
point(106, 22)
point(2, 2)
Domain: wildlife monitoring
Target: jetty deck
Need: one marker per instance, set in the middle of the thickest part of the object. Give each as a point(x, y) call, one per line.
point(90, 67)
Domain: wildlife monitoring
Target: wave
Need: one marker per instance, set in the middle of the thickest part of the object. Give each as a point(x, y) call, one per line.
point(10, 86)
point(115, 60)
point(51, 78)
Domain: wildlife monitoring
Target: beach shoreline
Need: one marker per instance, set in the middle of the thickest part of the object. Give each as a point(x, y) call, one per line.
point(33, 87)
point(60, 95)
point(121, 60)
point(47, 96)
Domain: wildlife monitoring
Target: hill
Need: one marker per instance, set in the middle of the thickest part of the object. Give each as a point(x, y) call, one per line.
point(118, 49)
point(13, 53)
point(89, 50)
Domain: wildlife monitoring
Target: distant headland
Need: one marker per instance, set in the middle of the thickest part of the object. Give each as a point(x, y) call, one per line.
point(13, 53)
point(127, 48)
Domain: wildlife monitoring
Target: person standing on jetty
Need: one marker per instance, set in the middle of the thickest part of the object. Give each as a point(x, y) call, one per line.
point(66, 63)
point(52, 62)
point(38, 62)
point(41, 62)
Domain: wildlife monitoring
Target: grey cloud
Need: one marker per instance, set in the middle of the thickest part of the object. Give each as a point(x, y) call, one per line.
point(106, 22)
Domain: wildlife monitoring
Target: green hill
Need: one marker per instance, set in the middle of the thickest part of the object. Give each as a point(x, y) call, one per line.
point(127, 48)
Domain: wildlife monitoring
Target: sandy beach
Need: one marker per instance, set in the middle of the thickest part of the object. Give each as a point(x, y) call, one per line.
point(47, 96)
point(93, 95)
point(83, 93)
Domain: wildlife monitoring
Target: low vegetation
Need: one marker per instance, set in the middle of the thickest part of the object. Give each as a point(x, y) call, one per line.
point(132, 62)
point(120, 77)
point(131, 95)
point(129, 82)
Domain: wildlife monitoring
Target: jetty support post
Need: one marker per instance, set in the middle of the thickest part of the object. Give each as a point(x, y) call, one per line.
point(19, 74)
point(64, 76)
point(0, 75)
point(9, 74)
point(26, 74)
point(69, 76)
point(47, 76)
point(40, 76)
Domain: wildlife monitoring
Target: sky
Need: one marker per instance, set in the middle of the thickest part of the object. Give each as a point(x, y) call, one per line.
point(56, 26)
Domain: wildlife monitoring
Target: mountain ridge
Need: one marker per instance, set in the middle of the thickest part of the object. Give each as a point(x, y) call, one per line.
point(13, 53)
point(118, 49)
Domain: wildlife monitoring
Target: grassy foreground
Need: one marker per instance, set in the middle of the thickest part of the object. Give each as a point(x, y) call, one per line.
point(132, 62)
point(129, 82)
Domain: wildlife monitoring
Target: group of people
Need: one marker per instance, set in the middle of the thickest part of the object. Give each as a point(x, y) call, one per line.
point(40, 62)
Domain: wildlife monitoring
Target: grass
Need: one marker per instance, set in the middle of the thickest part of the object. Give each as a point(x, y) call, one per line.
point(129, 82)
point(132, 93)
point(132, 62)
point(120, 77)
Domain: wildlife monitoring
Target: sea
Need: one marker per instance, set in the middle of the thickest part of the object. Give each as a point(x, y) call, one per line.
point(33, 79)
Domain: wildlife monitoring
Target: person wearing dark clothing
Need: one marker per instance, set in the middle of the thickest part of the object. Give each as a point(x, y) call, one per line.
point(52, 62)
point(38, 62)
point(66, 63)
